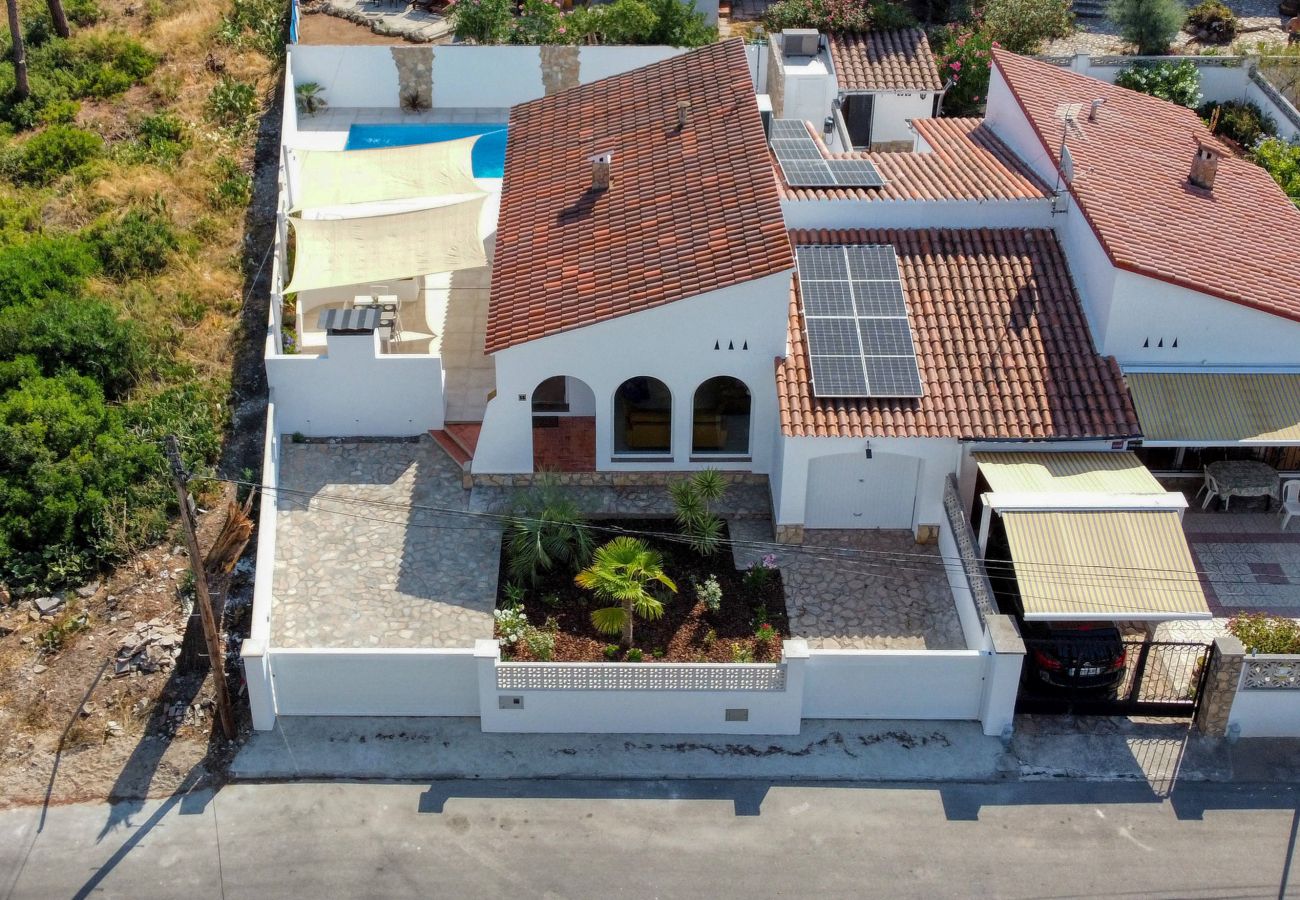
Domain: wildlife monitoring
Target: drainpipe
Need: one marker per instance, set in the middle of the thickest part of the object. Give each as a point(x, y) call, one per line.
point(938, 106)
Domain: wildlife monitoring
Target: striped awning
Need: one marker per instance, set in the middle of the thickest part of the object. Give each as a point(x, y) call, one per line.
point(1104, 566)
point(1067, 473)
point(1199, 409)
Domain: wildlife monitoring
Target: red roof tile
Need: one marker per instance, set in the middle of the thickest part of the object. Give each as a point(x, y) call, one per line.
point(966, 162)
point(1237, 242)
point(689, 210)
point(1001, 339)
point(884, 61)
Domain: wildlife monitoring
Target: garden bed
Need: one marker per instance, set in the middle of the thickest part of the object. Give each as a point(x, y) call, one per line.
point(688, 630)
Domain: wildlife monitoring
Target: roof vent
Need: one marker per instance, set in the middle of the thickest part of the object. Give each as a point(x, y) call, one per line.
point(800, 41)
point(683, 113)
point(1205, 165)
point(600, 178)
point(1096, 105)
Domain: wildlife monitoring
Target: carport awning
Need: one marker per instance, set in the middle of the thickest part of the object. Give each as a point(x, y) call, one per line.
point(1199, 409)
point(1067, 473)
point(1112, 566)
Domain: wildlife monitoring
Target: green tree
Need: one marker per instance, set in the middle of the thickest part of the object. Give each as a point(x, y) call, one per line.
point(1150, 24)
point(547, 530)
point(1022, 26)
point(622, 572)
point(679, 24)
point(18, 52)
point(691, 499)
point(1281, 160)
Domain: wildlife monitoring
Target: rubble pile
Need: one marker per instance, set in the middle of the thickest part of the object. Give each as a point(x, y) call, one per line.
point(150, 647)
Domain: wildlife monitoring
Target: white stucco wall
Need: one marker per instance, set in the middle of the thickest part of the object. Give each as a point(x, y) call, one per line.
point(1266, 713)
point(894, 684)
point(892, 110)
point(917, 214)
point(355, 390)
point(1004, 116)
point(349, 76)
point(390, 682)
point(673, 343)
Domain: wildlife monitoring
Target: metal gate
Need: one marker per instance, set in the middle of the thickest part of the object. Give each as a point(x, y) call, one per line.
point(1158, 678)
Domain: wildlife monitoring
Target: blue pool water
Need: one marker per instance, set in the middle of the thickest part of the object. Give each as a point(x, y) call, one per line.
point(489, 153)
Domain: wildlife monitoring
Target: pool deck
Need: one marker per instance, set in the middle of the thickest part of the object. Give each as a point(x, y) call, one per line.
point(328, 130)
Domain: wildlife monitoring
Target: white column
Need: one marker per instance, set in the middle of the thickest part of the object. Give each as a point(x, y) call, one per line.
point(261, 687)
point(486, 655)
point(1005, 656)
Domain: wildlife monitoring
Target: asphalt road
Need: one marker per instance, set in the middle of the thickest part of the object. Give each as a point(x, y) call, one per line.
point(654, 839)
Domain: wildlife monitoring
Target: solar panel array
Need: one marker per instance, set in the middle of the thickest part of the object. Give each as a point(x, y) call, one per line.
point(860, 341)
point(804, 166)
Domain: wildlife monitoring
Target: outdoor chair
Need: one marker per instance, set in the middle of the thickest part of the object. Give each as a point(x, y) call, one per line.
point(1290, 502)
point(1211, 489)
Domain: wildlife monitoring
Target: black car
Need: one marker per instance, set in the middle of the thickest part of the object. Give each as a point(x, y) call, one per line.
point(1085, 656)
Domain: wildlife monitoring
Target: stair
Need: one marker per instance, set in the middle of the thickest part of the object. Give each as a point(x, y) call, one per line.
point(458, 440)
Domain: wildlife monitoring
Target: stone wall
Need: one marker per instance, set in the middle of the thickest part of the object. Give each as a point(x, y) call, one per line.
point(789, 534)
point(414, 76)
point(1226, 659)
point(559, 67)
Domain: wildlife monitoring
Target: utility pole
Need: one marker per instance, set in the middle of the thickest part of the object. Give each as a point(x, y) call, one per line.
point(201, 597)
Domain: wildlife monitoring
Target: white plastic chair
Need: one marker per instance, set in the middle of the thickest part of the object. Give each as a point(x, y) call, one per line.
point(1211, 488)
point(1290, 502)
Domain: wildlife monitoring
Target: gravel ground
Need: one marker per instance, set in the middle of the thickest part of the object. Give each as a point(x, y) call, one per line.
point(1259, 20)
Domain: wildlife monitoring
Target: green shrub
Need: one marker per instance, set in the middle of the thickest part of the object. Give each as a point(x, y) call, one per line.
point(1281, 160)
point(160, 139)
point(1023, 26)
point(540, 643)
point(635, 654)
point(1176, 82)
point(136, 243)
point(44, 266)
point(691, 499)
point(1266, 634)
point(709, 593)
point(482, 21)
point(259, 24)
point(679, 24)
point(539, 22)
point(1239, 120)
point(82, 12)
point(95, 65)
point(1213, 22)
point(824, 15)
point(886, 16)
point(1149, 24)
point(233, 187)
point(965, 57)
point(511, 624)
point(82, 335)
point(232, 103)
point(52, 153)
point(60, 112)
point(546, 530)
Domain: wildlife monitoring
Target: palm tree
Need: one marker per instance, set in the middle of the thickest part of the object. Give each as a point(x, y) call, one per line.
point(59, 17)
point(21, 89)
point(621, 572)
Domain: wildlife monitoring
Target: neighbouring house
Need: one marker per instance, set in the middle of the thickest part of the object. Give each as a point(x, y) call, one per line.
point(861, 91)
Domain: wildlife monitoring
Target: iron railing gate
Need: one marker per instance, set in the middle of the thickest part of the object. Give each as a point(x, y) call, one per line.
point(1160, 678)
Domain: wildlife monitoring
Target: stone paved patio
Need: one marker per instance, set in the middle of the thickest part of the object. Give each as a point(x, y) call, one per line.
point(846, 601)
point(357, 566)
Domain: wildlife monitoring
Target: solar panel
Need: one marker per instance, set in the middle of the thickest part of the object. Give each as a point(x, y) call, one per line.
point(860, 341)
point(803, 165)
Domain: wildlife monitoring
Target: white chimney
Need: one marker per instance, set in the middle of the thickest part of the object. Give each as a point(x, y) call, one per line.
point(600, 177)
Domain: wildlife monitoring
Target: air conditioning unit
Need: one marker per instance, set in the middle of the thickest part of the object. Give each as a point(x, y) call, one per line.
point(800, 41)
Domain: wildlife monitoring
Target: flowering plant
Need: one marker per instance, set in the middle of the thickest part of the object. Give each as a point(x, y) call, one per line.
point(965, 58)
point(511, 624)
point(760, 572)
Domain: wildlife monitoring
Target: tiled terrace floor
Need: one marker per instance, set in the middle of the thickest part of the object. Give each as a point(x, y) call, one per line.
point(857, 599)
point(358, 564)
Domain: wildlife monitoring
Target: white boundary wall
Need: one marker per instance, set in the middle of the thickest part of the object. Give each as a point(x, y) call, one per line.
point(894, 684)
point(406, 682)
point(257, 674)
point(1267, 703)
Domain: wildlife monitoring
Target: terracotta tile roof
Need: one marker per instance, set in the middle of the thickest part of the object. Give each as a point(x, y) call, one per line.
point(884, 61)
point(1003, 346)
point(967, 162)
point(689, 211)
point(1131, 165)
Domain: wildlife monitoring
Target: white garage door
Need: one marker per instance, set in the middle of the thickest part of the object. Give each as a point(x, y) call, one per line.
point(851, 491)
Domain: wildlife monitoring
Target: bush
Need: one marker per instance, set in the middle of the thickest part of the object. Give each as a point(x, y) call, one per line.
point(42, 267)
point(159, 139)
point(52, 153)
point(710, 594)
point(260, 24)
point(512, 624)
point(546, 531)
point(1266, 634)
point(966, 58)
point(233, 188)
point(1212, 22)
point(691, 499)
point(1022, 26)
point(96, 65)
point(232, 103)
point(1176, 82)
point(137, 243)
point(482, 21)
point(891, 16)
point(1238, 120)
point(679, 24)
point(81, 335)
point(1150, 24)
point(540, 643)
point(1281, 160)
point(824, 15)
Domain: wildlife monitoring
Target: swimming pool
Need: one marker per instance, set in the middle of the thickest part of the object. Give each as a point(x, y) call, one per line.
point(489, 158)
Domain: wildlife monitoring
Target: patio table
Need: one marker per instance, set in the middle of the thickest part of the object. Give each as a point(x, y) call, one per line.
point(1244, 478)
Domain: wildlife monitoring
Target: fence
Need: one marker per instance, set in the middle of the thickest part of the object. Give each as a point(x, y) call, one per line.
point(407, 682)
point(1267, 703)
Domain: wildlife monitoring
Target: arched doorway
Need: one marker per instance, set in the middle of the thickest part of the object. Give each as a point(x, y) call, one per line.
point(721, 418)
point(643, 417)
point(564, 425)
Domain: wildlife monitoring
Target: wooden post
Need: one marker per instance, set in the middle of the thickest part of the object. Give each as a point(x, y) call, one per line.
point(210, 633)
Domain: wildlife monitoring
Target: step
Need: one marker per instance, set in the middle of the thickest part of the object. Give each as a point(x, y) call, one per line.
point(451, 447)
point(465, 434)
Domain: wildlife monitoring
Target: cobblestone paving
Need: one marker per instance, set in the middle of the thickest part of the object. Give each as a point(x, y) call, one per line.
point(849, 602)
point(357, 566)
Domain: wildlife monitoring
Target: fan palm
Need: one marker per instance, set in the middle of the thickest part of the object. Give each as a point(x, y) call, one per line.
point(547, 531)
point(621, 572)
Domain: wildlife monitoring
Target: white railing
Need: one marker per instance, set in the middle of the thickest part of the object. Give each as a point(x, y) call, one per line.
point(640, 677)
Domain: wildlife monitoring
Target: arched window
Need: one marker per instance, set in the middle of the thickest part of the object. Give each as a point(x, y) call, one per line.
point(643, 416)
point(721, 421)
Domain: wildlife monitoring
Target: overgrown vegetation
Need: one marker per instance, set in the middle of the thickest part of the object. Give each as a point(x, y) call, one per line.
point(1239, 121)
point(1176, 82)
point(120, 254)
point(1266, 634)
point(1280, 159)
point(1023, 26)
point(1212, 22)
point(837, 15)
point(671, 22)
point(1150, 25)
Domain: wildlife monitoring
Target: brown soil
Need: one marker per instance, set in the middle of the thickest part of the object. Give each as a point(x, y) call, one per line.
point(326, 30)
point(688, 632)
point(52, 752)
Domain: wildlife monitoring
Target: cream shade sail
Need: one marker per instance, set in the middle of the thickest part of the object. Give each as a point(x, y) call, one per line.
point(339, 177)
point(338, 252)
point(1109, 566)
